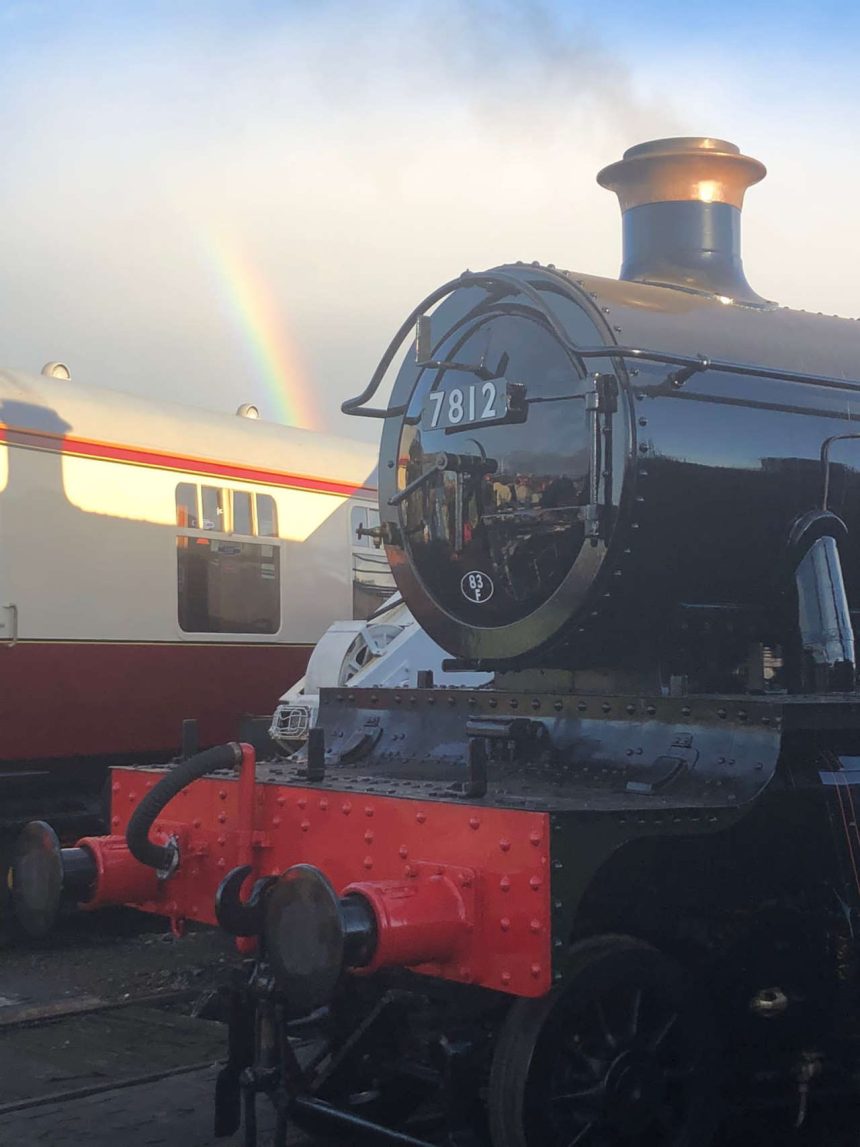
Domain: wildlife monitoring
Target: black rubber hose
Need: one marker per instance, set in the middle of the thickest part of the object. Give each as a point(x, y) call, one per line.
point(160, 856)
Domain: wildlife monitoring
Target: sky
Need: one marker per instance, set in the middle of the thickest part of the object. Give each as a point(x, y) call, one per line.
point(240, 200)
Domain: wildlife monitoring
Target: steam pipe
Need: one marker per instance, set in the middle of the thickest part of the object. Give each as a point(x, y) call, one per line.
point(160, 856)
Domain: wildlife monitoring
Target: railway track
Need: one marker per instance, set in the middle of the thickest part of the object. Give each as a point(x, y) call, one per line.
point(106, 1039)
point(92, 1053)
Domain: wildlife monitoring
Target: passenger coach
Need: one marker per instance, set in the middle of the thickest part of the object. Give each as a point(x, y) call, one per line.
point(158, 563)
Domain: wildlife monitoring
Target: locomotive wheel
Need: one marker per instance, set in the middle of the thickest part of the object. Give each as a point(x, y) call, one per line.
point(621, 1055)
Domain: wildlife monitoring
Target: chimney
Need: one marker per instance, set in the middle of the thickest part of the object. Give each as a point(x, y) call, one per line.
point(681, 205)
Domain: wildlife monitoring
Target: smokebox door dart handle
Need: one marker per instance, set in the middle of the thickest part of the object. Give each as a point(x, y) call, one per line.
point(236, 916)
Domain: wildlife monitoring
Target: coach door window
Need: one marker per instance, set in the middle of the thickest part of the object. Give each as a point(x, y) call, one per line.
point(243, 518)
point(267, 516)
point(228, 570)
point(187, 512)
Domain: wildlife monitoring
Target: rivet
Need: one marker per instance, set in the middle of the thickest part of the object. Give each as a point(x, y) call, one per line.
point(421, 817)
point(629, 708)
point(535, 838)
point(581, 706)
point(115, 787)
point(410, 871)
point(323, 804)
point(643, 447)
point(282, 800)
point(558, 706)
point(474, 822)
point(346, 808)
point(505, 924)
point(685, 712)
point(305, 825)
point(505, 977)
point(505, 884)
point(534, 925)
point(651, 710)
point(303, 802)
point(132, 797)
point(222, 863)
point(514, 703)
point(606, 707)
point(222, 794)
point(721, 713)
point(222, 818)
point(535, 882)
point(368, 862)
point(493, 703)
point(504, 845)
point(222, 840)
point(368, 837)
point(114, 820)
point(197, 822)
point(404, 851)
point(643, 421)
point(465, 880)
point(368, 810)
point(535, 970)
point(536, 704)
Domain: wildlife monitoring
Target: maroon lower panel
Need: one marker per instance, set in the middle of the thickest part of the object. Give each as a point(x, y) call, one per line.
point(82, 699)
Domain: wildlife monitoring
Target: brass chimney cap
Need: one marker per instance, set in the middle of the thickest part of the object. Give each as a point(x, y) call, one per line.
point(685, 168)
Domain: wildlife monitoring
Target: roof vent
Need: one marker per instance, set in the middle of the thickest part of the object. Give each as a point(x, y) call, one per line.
point(248, 410)
point(681, 205)
point(56, 370)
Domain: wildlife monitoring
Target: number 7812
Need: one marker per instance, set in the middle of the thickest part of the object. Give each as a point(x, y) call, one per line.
point(463, 404)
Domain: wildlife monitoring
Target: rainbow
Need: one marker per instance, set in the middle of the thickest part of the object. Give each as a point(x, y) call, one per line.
point(251, 306)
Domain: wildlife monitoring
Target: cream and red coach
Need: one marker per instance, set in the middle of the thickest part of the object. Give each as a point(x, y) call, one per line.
point(159, 563)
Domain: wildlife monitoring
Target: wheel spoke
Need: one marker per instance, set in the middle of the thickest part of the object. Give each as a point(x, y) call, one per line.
point(596, 1067)
point(587, 1096)
point(635, 1012)
point(582, 1135)
point(608, 1037)
point(661, 1033)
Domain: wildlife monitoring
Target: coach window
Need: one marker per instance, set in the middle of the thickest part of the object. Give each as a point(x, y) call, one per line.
point(228, 584)
point(243, 521)
point(213, 509)
point(186, 505)
point(267, 516)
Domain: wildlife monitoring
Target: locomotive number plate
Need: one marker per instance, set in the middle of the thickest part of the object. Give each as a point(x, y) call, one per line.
point(465, 405)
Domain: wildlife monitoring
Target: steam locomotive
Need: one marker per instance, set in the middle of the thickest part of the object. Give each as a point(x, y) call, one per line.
point(593, 902)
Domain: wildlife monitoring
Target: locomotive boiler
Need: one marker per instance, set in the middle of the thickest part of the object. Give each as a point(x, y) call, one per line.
point(612, 896)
